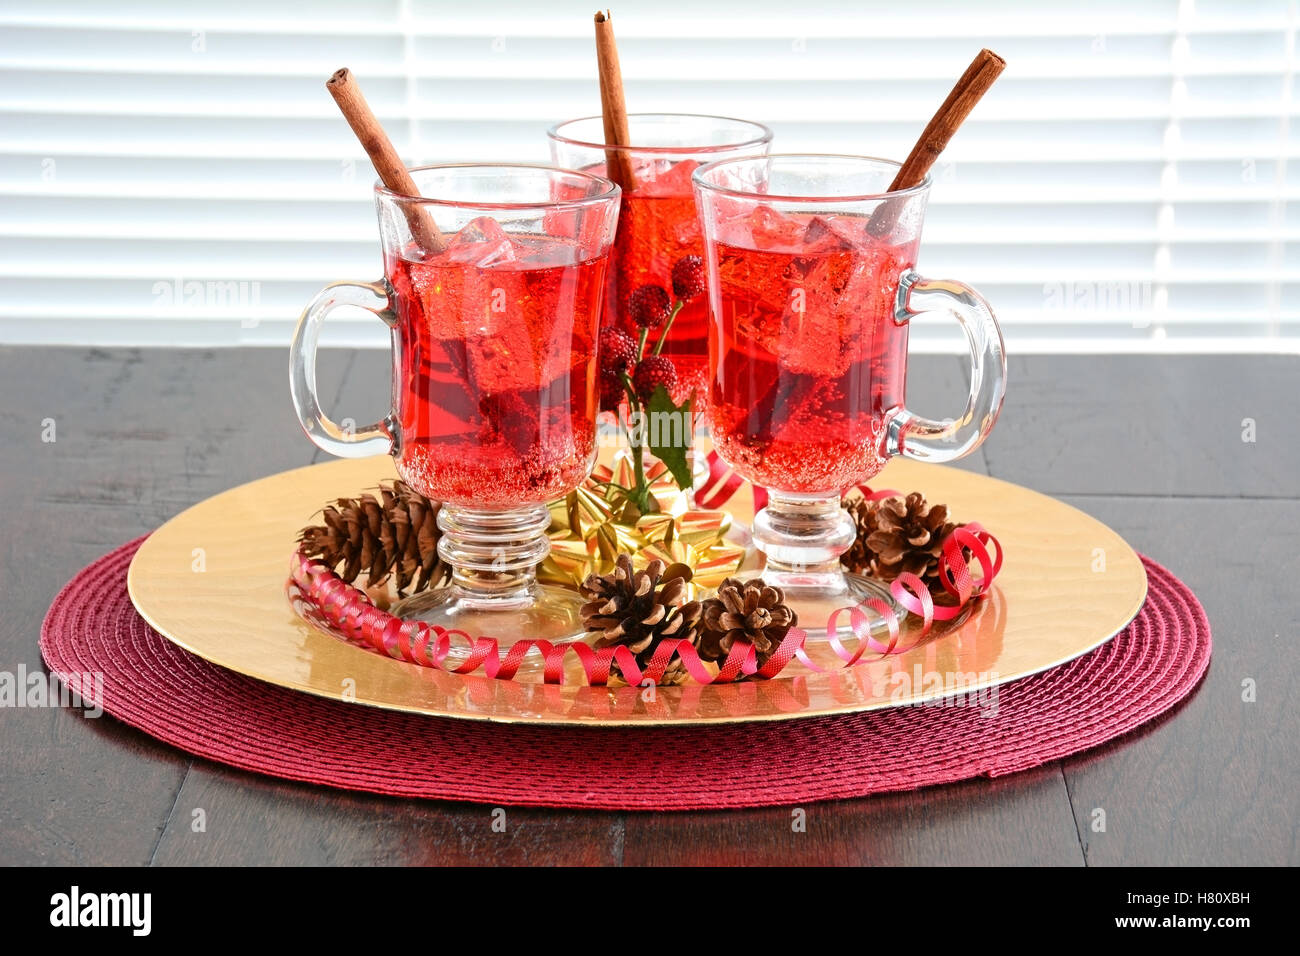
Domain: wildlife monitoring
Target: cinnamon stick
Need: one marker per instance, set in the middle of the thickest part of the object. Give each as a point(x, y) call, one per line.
point(392, 171)
point(974, 83)
point(613, 104)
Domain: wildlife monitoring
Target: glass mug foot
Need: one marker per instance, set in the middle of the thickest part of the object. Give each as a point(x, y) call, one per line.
point(549, 614)
point(815, 597)
point(494, 591)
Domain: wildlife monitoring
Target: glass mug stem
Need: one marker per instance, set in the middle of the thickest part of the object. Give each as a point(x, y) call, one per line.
point(802, 536)
point(494, 554)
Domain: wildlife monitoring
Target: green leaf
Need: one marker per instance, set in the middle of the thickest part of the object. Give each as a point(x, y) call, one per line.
point(668, 432)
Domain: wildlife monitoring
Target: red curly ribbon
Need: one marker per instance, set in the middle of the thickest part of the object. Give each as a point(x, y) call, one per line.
point(350, 612)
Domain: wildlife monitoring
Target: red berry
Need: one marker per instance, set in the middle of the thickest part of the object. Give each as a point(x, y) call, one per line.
point(652, 371)
point(611, 390)
point(688, 277)
point(649, 306)
point(617, 349)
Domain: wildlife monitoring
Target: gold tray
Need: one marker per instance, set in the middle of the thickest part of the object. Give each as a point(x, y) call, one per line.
point(1068, 584)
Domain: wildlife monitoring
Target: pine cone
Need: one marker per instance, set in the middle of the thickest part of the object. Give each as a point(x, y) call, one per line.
point(897, 535)
point(750, 611)
point(638, 609)
point(395, 534)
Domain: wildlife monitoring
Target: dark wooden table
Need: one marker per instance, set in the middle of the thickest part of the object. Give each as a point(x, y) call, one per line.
point(1153, 446)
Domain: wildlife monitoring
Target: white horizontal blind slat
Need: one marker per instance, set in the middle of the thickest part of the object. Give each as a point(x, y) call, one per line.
point(1132, 181)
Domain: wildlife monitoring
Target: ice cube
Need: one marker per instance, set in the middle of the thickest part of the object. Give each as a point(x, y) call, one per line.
point(820, 325)
point(671, 179)
point(686, 232)
point(540, 252)
point(770, 230)
point(832, 233)
point(647, 174)
point(512, 418)
point(482, 243)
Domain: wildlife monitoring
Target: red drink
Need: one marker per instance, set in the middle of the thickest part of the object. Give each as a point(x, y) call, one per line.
point(809, 364)
point(657, 225)
point(658, 221)
point(496, 395)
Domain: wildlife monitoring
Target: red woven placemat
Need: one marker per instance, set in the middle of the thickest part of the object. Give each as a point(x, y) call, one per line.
point(153, 685)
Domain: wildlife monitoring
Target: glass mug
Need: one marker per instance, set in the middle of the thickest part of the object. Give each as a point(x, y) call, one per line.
point(811, 288)
point(658, 223)
point(494, 376)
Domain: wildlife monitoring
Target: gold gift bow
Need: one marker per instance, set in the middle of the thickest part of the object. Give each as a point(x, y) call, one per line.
point(591, 526)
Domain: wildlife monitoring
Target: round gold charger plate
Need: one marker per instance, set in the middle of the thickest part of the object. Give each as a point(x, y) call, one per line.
point(212, 580)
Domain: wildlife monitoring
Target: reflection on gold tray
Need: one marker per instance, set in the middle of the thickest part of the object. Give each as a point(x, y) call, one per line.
point(1048, 606)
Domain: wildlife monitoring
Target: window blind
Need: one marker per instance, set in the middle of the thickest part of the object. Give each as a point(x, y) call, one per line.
point(175, 173)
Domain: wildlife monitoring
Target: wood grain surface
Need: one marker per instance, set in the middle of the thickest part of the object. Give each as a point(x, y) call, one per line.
point(1150, 445)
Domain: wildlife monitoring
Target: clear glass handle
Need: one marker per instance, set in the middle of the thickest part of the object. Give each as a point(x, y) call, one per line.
point(928, 440)
point(377, 439)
